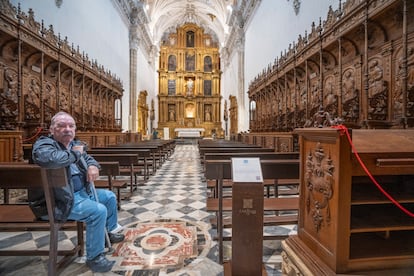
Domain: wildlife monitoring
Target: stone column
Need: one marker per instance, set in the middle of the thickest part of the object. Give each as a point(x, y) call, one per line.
point(133, 49)
point(240, 48)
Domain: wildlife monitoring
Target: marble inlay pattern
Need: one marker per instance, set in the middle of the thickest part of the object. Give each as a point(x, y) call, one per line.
point(167, 244)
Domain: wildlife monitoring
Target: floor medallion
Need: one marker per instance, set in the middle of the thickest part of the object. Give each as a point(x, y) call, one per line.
point(161, 245)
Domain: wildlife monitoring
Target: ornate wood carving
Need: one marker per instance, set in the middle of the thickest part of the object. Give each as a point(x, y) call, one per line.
point(143, 113)
point(358, 65)
point(41, 74)
point(319, 183)
point(233, 115)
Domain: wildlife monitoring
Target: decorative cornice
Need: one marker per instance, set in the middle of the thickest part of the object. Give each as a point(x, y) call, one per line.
point(135, 17)
point(123, 8)
point(238, 21)
point(139, 25)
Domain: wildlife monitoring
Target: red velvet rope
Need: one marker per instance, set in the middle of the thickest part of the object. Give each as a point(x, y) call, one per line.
point(343, 130)
point(39, 129)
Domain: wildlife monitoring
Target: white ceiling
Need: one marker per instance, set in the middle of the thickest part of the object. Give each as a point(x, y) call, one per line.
point(165, 16)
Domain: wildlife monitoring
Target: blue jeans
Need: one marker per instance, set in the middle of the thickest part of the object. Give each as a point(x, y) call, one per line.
point(96, 216)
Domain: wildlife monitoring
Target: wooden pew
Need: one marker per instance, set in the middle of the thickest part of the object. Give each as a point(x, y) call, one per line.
point(268, 183)
point(168, 146)
point(271, 169)
point(224, 144)
point(213, 150)
point(156, 152)
point(281, 187)
point(163, 148)
point(111, 171)
point(19, 217)
point(146, 159)
point(127, 161)
point(261, 155)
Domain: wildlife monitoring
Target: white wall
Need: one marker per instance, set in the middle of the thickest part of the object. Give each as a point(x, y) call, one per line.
point(146, 80)
point(94, 26)
point(229, 84)
point(272, 28)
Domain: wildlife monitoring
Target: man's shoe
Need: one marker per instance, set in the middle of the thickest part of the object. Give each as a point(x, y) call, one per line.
point(100, 263)
point(116, 237)
point(118, 228)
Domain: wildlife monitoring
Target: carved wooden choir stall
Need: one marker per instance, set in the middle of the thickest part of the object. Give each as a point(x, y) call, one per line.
point(355, 67)
point(40, 74)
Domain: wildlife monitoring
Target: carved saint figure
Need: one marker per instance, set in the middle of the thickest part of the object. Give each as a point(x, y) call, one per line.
point(171, 115)
point(376, 82)
point(8, 99)
point(190, 86)
point(348, 85)
point(208, 114)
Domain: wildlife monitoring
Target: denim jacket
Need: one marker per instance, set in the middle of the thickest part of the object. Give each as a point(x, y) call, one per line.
point(49, 153)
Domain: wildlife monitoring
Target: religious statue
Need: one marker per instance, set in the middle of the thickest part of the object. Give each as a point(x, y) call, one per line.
point(207, 115)
point(190, 86)
point(171, 115)
point(190, 39)
point(376, 82)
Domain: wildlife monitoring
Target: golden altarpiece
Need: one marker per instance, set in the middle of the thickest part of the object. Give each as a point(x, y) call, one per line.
point(189, 82)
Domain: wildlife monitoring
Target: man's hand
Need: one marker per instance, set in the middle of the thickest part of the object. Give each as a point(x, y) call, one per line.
point(93, 173)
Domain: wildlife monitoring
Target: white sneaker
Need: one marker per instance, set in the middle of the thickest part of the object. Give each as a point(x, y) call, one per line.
point(118, 228)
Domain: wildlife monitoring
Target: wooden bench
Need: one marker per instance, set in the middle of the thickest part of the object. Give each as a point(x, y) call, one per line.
point(146, 159)
point(167, 146)
point(225, 143)
point(160, 150)
point(111, 171)
point(214, 150)
point(291, 187)
point(157, 151)
point(271, 169)
point(277, 184)
point(286, 204)
point(128, 163)
point(19, 217)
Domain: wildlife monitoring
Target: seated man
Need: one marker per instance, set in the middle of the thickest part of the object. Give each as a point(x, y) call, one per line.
point(60, 150)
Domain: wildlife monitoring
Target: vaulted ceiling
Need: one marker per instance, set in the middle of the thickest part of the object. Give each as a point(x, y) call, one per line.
point(166, 15)
point(153, 20)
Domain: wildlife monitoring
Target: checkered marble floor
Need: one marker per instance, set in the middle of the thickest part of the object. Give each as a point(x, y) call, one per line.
point(176, 193)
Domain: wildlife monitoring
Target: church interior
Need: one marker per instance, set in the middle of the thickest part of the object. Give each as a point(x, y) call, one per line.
point(321, 96)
